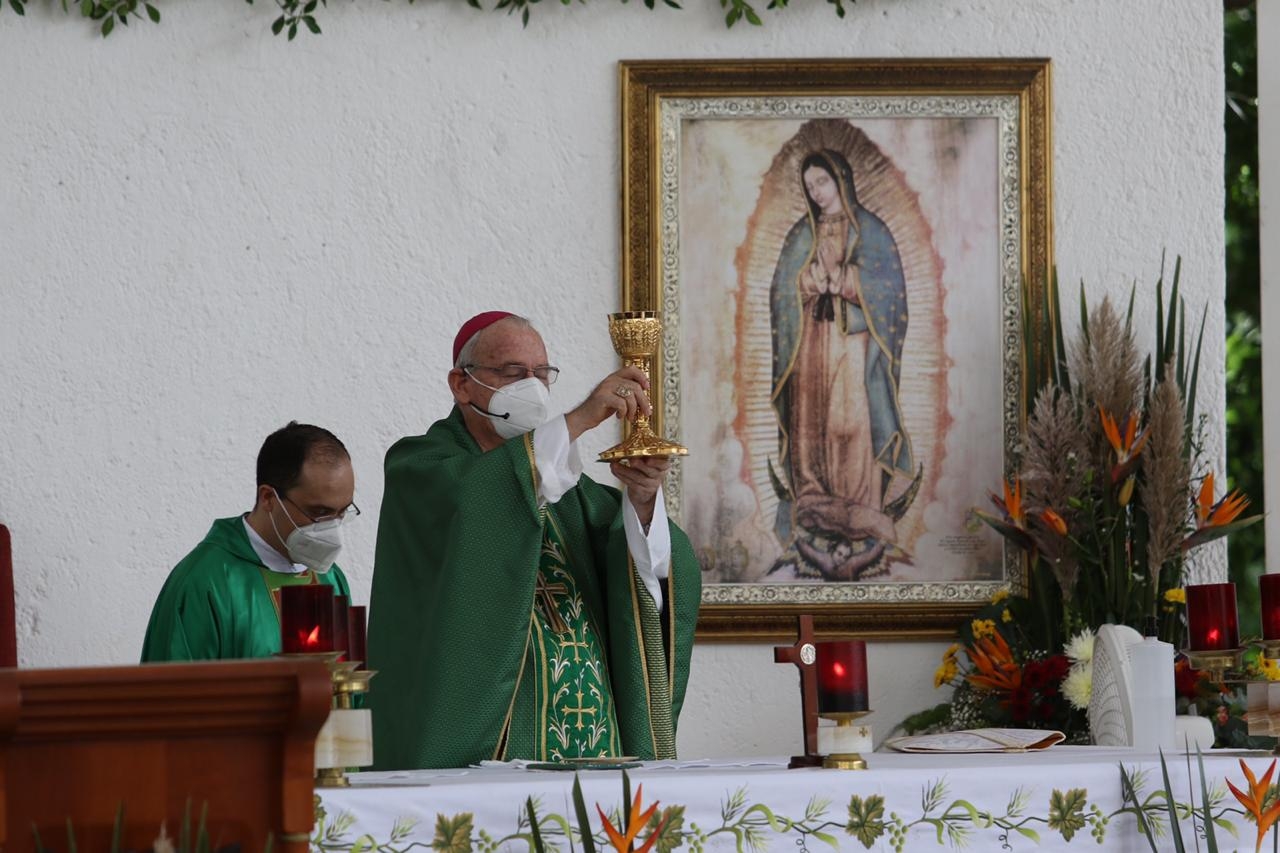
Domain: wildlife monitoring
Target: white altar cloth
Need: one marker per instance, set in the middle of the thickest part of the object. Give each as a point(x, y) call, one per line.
point(1064, 798)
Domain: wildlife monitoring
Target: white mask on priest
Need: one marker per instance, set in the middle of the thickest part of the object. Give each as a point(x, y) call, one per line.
point(314, 545)
point(517, 408)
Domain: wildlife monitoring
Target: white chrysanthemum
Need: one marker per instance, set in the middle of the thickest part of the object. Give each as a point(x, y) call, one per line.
point(1078, 685)
point(1080, 647)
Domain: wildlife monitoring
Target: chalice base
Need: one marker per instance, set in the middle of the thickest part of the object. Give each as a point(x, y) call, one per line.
point(642, 442)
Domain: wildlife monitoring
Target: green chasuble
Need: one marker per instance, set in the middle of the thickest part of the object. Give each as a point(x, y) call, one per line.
point(501, 629)
point(219, 602)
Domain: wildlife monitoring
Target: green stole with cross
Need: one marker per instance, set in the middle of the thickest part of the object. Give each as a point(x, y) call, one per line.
point(490, 613)
point(564, 701)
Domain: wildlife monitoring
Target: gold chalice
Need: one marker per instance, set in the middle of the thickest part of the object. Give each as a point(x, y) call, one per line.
point(636, 337)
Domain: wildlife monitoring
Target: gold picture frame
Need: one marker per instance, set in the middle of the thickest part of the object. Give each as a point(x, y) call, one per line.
point(945, 225)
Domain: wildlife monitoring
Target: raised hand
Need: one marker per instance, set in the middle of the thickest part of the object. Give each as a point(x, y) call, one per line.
point(623, 393)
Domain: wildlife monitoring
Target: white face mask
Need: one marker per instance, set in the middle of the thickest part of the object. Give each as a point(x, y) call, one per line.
point(517, 408)
point(314, 545)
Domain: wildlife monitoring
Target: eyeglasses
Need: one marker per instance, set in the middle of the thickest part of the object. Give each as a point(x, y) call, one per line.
point(351, 509)
point(516, 372)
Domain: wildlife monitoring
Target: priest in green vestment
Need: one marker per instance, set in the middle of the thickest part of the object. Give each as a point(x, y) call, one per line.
point(222, 600)
point(520, 609)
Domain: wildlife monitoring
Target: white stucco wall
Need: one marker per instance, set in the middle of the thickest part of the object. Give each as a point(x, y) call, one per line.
point(206, 231)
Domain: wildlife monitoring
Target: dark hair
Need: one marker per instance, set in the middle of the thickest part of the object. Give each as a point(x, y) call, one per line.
point(287, 449)
point(837, 166)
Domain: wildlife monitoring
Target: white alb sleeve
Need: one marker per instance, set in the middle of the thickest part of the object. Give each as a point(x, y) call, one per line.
point(557, 460)
point(651, 552)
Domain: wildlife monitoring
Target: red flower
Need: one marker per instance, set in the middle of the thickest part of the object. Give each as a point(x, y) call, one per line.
point(1020, 704)
point(1186, 681)
point(1035, 675)
point(1058, 667)
point(1223, 715)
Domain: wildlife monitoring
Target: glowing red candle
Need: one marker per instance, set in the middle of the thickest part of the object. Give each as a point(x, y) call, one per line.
point(306, 618)
point(341, 604)
point(1211, 617)
point(1270, 588)
point(356, 635)
point(842, 676)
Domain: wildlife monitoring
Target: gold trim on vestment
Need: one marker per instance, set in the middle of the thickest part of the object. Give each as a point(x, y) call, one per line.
point(644, 658)
point(504, 739)
point(543, 685)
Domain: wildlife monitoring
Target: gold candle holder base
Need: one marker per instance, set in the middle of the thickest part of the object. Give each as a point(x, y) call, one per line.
point(845, 760)
point(332, 777)
point(636, 336)
point(1271, 648)
point(1215, 664)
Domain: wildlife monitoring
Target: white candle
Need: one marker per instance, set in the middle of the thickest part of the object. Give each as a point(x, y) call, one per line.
point(844, 739)
point(346, 739)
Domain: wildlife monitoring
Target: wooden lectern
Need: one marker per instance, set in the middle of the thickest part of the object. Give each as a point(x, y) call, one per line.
point(235, 738)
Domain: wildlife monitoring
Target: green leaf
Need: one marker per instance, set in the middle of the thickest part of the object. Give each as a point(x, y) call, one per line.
point(19, 6)
point(866, 819)
point(1174, 827)
point(117, 828)
point(153, 13)
point(1066, 811)
point(293, 30)
point(584, 820)
point(536, 844)
point(86, 8)
point(1027, 832)
point(107, 26)
point(671, 819)
point(277, 25)
point(828, 839)
point(1210, 837)
point(453, 835)
point(311, 24)
point(752, 17)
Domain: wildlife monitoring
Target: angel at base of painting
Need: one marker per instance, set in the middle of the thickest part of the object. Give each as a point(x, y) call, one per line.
point(838, 305)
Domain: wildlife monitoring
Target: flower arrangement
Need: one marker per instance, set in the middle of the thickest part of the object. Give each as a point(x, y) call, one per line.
point(1108, 496)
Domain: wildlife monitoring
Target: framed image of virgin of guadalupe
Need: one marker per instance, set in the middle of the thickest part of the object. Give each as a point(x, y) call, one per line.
point(846, 255)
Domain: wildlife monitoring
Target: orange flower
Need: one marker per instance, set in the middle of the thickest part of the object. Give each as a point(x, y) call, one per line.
point(1011, 506)
point(1128, 446)
point(622, 842)
point(1225, 511)
point(1254, 800)
point(1056, 523)
point(993, 665)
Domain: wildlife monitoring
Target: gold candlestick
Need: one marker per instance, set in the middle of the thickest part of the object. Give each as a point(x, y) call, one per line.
point(636, 337)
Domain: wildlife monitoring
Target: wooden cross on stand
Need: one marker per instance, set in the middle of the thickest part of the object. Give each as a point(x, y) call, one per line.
point(546, 595)
point(804, 655)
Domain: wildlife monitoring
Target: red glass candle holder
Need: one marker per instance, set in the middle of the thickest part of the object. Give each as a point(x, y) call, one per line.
point(842, 676)
point(1269, 586)
point(306, 618)
point(341, 604)
point(356, 649)
point(1211, 618)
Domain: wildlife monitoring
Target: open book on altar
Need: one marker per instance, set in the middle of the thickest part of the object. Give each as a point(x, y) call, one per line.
point(979, 740)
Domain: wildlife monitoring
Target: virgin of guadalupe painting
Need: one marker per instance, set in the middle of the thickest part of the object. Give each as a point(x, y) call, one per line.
point(839, 310)
point(845, 268)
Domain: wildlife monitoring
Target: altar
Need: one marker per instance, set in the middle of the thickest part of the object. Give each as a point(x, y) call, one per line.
point(1064, 798)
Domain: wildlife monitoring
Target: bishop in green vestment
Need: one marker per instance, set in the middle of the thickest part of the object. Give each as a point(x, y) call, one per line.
point(520, 609)
point(222, 600)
